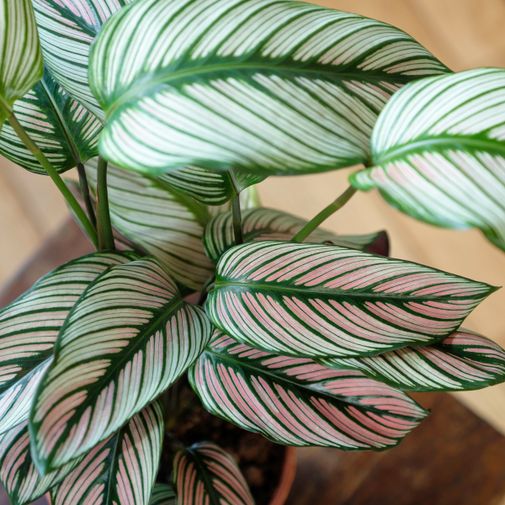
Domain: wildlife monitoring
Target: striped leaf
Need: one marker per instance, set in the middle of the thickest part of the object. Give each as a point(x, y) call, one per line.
point(21, 59)
point(161, 221)
point(120, 470)
point(30, 325)
point(205, 474)
point(271, 224)
point(128, 338)
point(295, 401)
point(67, 29)
point(63, 129)
point(18, 474)
point(265, 86)
point(321, 300)
point(207, 186)
point(438, 151)
point(163, 494)
point(462, 361)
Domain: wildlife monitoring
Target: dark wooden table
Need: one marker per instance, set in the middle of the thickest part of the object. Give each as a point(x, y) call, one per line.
point(453, 458)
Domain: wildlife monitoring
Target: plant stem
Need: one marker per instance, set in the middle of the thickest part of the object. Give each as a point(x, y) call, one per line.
point(104, 227)
point(83, 183)
point(53, 173)
point(316, 221)
point(237, 220)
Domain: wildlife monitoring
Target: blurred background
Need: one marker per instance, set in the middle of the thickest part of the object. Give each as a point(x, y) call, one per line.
point(463, 34)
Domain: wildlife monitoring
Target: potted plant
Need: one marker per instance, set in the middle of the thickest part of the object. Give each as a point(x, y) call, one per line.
point(200, 309)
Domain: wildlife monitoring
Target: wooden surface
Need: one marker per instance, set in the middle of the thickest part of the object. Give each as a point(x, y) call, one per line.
point(463, 34)
point(453, 458)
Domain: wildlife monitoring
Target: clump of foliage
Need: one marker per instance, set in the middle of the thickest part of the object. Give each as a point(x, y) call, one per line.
point(172, 111)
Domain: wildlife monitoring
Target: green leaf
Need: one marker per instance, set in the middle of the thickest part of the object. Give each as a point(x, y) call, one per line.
point(159, 220)
point(295, 401)
point(270, 224)
point(321, 300)
point(18, 474)
point(438, 151)
point(67, 30)
point(462, 361)
point(205, 474)
point(21, 59)
point(127, 339)
point(262, 86)
point(163, 494)
point(119, 470)
point(30, 325)
point(63, 129)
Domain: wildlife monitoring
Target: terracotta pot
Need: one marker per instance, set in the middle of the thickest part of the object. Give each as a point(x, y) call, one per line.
point(287, 477)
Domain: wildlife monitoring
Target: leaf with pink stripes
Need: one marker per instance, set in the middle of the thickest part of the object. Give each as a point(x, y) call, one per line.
point(205, 474)
point(163, 494)
point(296, 401)
point(30, 325)
point(462, 361)
point(120, 470)
point(128, 338)
point(271, 224)
point(322, 300)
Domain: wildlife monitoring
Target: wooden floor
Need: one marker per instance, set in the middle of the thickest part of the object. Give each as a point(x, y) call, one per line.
point(463, 34)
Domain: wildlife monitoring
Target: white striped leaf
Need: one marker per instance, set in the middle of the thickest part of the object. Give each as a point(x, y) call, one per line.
point(438, 151)
point(207, 186)
point(163, 494)
point(160, 220)
point(264, 86)
point(67, 29)
point(63, 129)
point(128, 338)
point(462, 361)
point(120, 470)
point(18, 474)
point(30, 325)
point(322, 300)
point(272, 224)
point(295, 401)
point(204, 474)
point(21, 59)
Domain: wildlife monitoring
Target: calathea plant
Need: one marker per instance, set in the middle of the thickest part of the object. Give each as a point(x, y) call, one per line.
point(172, 110)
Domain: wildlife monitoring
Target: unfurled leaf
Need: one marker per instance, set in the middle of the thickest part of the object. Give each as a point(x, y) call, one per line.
point(20, 57)
point(271, 224)
point(296, 401)
point(438, 151)
point(321, 300)
point(205, 474)
point(63, 129)
point(18, 474)
point(128, 338)
point(258, 85)
point(120, 470)
point(163, 494)
point(67, 29)
point(462, 361)
point(30, 325)
point(161, 221)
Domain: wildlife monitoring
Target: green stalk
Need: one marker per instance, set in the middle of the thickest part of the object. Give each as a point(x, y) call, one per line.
point(53, 173)
point(104, 226)
point(316, 221)
point(237, 220)
point(84, 186)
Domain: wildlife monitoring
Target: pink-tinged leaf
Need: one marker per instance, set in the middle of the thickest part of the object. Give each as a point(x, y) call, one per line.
point(270, 224)
point(462, 361)
point(30, 325)
point(120, 470)
point(296, 401)
point(322, 301)
point(204, 474)
point(128, 338)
